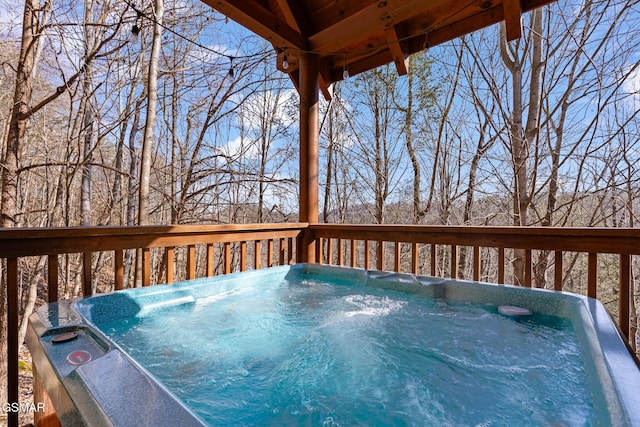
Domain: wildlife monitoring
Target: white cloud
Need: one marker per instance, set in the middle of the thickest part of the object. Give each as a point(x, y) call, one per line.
point(631, 86)
point(240, 147)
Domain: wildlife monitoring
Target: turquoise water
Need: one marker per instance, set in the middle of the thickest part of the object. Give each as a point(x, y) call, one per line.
point(329, 353)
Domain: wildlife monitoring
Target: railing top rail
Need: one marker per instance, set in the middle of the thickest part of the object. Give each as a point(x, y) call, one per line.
point(473, 229)
point(19, 242)
point(578, 239)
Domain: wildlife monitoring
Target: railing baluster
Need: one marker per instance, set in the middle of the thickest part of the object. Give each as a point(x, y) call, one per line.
point(380, 255)
point(118, 273)
point(270, 253)
point(256, 254)
point(52, 277)
point(367, 254)
point(623, 300)
point(170, 262)
point(434, 259)
point(557, 279)
point(210, 256)
point(501, 265)
point(281, 252)
point(319, 250)
point(290, 251)
point(354, 253)
point(476, 263)
point(396, 258)
point(243, 256)
point(592, 275)
point(146, 266)
point(13, 346)
point(340, 254)
point(415, 252)
point(329, 251)
point(454, 261)
point(227, 257)
point(87, 286)
point(527, 268)
point(191, 262)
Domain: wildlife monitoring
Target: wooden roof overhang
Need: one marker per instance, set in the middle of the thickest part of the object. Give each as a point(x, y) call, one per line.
point(365, 34)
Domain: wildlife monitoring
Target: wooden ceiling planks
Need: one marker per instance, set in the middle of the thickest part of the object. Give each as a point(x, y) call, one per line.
point(364, 34)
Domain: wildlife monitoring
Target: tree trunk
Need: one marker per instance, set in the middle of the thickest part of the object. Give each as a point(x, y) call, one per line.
point(149, 129)
point(522, 137)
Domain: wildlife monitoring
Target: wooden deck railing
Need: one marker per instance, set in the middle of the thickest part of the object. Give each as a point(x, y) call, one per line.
point(357, 241)
point(19, 243)
point(413, 248)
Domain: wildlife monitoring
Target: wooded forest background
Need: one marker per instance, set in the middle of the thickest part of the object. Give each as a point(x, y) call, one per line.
point(190, 122)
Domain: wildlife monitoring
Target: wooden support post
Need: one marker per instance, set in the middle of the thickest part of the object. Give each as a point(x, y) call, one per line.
point(309, 137)
point(329, 251)
point(340, 252)
point(118, 273)
point(13, 324)
point(623, 300)
point(52, 277)
point(396, 258)
point(290, 250)
point(87, 286)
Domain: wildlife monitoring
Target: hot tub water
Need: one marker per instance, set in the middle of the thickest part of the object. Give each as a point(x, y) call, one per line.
point(317, 350)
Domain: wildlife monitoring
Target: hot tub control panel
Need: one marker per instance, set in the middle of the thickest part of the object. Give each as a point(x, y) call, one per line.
point(86, 377)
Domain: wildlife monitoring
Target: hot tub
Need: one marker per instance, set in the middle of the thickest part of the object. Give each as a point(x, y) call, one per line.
point(320, 345)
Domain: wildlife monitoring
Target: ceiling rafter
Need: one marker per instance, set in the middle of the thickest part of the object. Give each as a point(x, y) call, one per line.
point(399, 58)
point(512, 19)
point(357, 27)
point(365, 34)
point(293, 17)
point(255, 17)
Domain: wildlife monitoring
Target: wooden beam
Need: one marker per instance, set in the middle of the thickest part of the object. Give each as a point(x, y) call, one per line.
point(512, 19)
point(255, 17)
point(358, 27)
point(295, 16)
point(399, 58)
